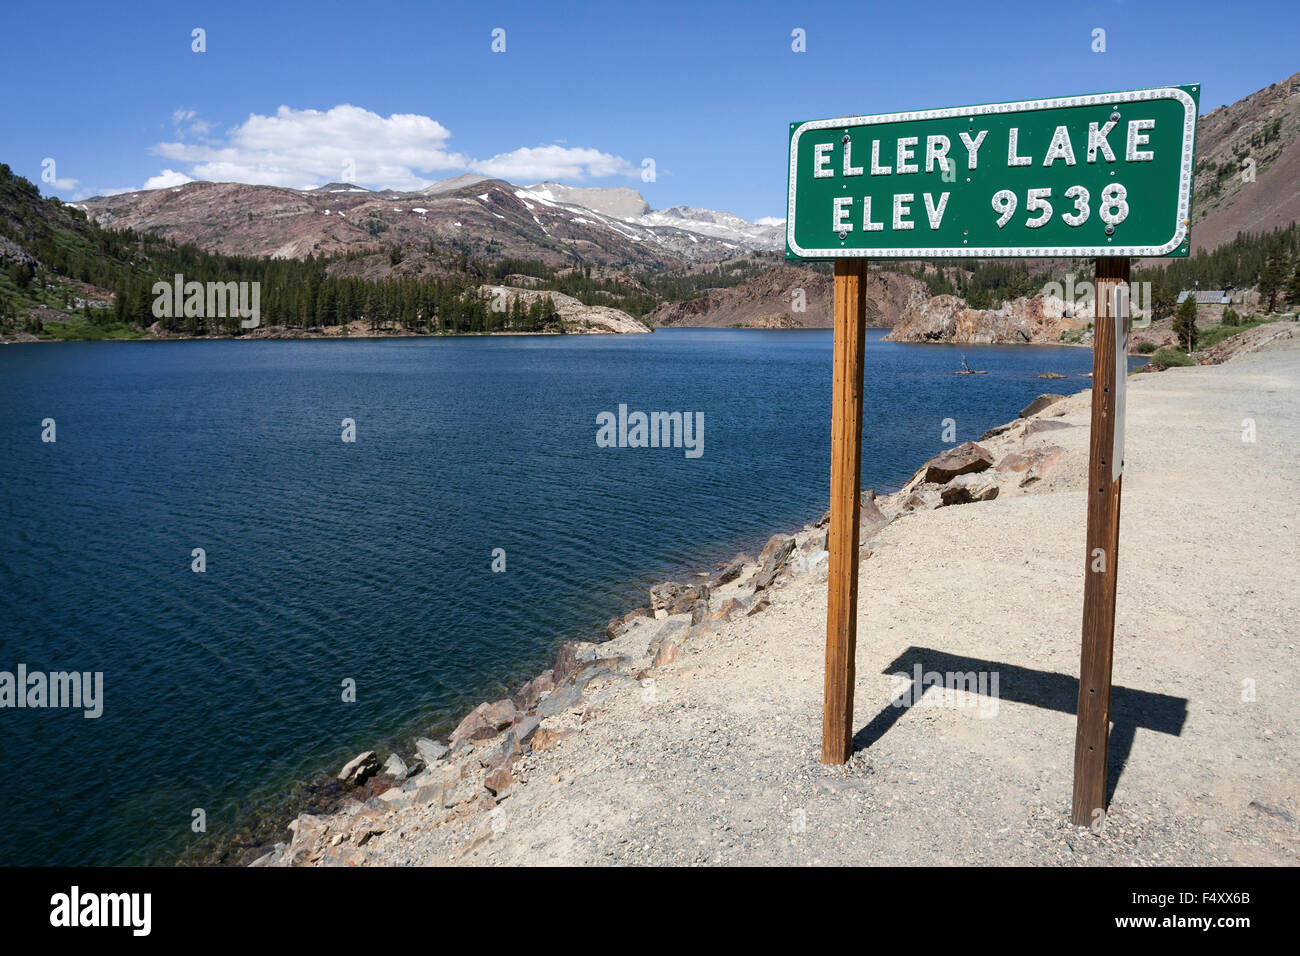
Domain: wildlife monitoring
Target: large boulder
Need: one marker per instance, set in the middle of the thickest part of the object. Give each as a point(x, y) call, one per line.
point(967, 488)
point(673, 598)
point(670, 648)
point(775, 553)
point(1030, 465)
point(621, 622)
point(964, 459)
point(732, 607)
point(360, 768)
point(560, 700)
point(430, 751)
point(733, 570)
point(484, 721)
point(1038, 404)
point(870, 518)
point(396, 767)
point(528, 695)
point(916, 501)
point(669, 629)
point(498, 782)
point(566, 662)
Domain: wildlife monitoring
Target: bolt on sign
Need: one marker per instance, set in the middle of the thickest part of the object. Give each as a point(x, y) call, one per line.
point(1079, 176)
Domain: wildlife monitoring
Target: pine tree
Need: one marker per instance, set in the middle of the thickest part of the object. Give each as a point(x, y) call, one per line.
point(1270, 281)
point(1293, 287)
point(1185, 323)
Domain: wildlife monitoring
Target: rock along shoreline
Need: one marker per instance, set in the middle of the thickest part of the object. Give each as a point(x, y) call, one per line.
point(474, 770)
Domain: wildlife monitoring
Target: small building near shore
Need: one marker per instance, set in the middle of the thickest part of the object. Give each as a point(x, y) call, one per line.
point(1211, 303)
point(1208, 297)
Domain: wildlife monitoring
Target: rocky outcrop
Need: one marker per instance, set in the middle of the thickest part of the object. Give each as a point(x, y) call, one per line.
point(13, 254)
point(947, 318)
point(577, 316)
point(672, 598)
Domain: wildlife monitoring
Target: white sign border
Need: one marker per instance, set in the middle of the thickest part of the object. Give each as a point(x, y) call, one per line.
point(1098, 99)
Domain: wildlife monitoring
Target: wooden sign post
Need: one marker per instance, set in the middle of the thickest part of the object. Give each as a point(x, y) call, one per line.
point(1101, 570)
point(846, 483)
point(1106, 176)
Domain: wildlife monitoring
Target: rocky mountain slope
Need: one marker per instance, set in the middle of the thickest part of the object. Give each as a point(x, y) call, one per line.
point(620, 202)
point(1248, 166)
point(488, 219)
point(768, 301)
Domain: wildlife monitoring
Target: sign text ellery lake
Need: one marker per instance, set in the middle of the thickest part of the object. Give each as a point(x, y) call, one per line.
point(1108, 174)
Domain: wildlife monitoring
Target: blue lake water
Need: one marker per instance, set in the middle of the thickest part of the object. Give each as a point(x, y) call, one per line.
point(371, 561)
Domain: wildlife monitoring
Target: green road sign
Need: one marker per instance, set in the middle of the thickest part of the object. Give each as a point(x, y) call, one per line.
point(1102, 175)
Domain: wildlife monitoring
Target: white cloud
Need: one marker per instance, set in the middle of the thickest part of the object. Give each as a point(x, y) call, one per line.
point(168, 177)
point(535, 163)
point(770, 221)
point(300, 148)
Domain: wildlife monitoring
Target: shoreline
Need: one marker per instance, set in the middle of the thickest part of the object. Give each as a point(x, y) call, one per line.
point(681, 742)
point(701, 599)
point(321, 792)
point(338, 337)
point(322, 795)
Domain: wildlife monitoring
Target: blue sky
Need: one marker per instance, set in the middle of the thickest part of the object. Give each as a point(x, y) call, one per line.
point(583, 93)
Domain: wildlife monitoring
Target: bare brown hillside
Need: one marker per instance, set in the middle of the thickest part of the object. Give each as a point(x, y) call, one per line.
point(1261, 131)
point(488, 219)
point(768, 301)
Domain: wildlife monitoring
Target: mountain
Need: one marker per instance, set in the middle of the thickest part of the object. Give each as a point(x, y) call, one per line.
point(452, 184)
point(620, 202)
point(767, 301)
point(1259, 137)
point(63, 276)
point(341, 188)
point(488, 219)
point(723, 226)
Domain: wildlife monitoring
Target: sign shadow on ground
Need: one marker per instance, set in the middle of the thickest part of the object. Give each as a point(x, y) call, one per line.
point(1130, 708)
